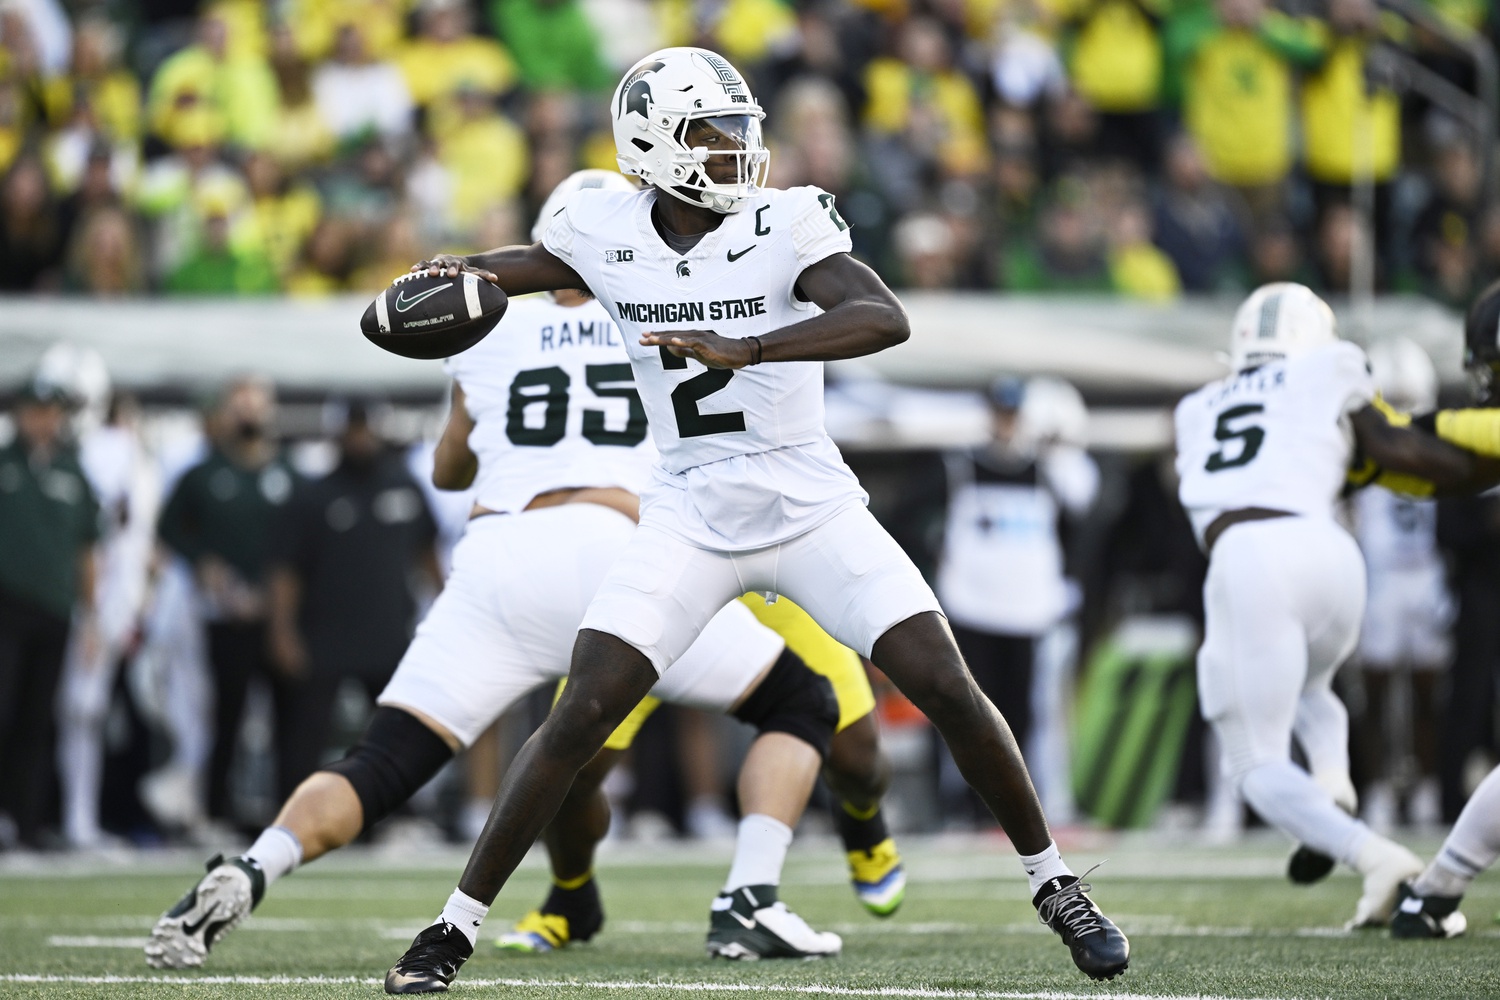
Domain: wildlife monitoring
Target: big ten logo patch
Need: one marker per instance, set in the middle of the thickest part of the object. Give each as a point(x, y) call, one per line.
point(619, 256)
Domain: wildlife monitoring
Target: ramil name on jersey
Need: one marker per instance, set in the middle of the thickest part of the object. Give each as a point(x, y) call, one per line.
point(692, 312)
point(594, 333)
point(1252, 381)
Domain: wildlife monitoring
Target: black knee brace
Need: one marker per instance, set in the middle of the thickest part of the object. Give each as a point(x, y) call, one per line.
point(792, 699)
point(396, 756)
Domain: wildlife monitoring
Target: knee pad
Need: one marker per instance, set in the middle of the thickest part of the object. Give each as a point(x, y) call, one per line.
point(396, 756)
point(792, 699)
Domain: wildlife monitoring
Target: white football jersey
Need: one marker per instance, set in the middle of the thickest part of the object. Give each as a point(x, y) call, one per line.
point(1396, 533)
point(1277, 436)
point(745, 459)
point(554, 405)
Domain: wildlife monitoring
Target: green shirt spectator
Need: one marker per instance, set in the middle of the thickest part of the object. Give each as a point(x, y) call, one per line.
point(223, 510)
point(219, 268)
point(553, 43)
point(48, 518)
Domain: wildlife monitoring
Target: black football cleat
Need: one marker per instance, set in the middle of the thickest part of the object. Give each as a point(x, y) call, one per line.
point(1426, 916)
point(1099, 948)
point(432, 962)
point(1307, 866)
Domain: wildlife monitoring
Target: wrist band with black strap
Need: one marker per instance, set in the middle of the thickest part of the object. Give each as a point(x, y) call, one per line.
point(755, 350)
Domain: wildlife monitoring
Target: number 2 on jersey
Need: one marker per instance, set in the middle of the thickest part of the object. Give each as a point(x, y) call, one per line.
point(690, 422)
point(1249, 436)
point(550, 386)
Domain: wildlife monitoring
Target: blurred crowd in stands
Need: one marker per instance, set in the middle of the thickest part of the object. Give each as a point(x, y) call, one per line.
point(1147, 148)
point(198, 608)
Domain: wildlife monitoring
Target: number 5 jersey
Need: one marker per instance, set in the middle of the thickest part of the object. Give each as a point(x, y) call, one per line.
point(745, 459)
point(1276, 436)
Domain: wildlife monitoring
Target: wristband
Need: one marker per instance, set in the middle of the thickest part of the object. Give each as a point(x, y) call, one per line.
point(755, 350)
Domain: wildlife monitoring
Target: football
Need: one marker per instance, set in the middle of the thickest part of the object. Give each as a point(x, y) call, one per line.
point(429, 318)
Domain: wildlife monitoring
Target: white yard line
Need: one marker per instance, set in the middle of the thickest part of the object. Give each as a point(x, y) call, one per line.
point(623, 985)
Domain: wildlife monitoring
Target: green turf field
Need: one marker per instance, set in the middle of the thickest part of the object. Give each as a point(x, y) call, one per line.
point(1203, 922)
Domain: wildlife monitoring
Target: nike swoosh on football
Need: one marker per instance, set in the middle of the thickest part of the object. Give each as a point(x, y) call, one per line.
point(736, 256)
point(749, 924)
point(403, 304)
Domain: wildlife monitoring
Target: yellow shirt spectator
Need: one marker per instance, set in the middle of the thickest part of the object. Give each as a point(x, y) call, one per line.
point(241, 93)
point(435, 69)
point(279, 225)
point(1239, 108)
point(315, 24)
point(1345, 131)
point(115, 99)
point(895, 93)
point(487, 159)
point(747, 30)
point(1141, 271)
point(1116, 58)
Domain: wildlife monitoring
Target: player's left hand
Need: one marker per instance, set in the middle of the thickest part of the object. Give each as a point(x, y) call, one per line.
point(701, 345)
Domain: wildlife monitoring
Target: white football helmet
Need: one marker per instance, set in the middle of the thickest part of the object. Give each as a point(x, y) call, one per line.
point(1278, 321)
point(669, 107)
point(577, 181)
point(1404, 375)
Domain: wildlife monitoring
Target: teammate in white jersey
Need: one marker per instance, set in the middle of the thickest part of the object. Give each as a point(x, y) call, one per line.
point(548, 428)
point(1262, 455)
point(730, 294)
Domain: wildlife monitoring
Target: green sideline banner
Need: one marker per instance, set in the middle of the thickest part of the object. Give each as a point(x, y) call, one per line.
point(1138, 697)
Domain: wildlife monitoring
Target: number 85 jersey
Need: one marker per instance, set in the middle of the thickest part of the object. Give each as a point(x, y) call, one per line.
point(1276, 436)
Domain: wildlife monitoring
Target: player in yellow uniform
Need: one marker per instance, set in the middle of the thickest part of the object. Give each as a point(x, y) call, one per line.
point(855, 769)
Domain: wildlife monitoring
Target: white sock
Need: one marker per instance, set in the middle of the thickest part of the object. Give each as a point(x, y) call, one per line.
point(277, 850)
point(759, 852)
point(1044, 867)
point(1472, 847)
point(1287, 797)
point(464, 912)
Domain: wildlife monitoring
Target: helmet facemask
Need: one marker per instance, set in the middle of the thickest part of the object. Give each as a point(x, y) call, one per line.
point(722, 162)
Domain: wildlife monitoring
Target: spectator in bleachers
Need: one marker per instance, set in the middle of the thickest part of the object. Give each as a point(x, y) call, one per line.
point(175, 188)
point(1276, 255)
point(447, 57)
point(218, 518)
point(1237, 60)
point(397, 245)
point(926, 251)
point(283, 212)
point(554, 45)
point(31, 235)
point(1025, 66)
point(1194, 222)
point(923, 117)
point(485, 156)
point(226, 78)
point(1445, 235)
point(1114, 55)
point(1342, 237)
point(105, 258)
point(325, 261)
point(48, 526)
point(217, 265)
point(1137, 268)
point(357, 95)
point(1351, 122)
point(97, 81)
point(1067, 256)
point(315, 24)
point(301, 138)
point(51, 35)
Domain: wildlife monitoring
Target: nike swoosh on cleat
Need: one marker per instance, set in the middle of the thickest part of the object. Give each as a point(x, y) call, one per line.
point(191, 929)
point(747, 924)
point(403, 303)
point(736, 256)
